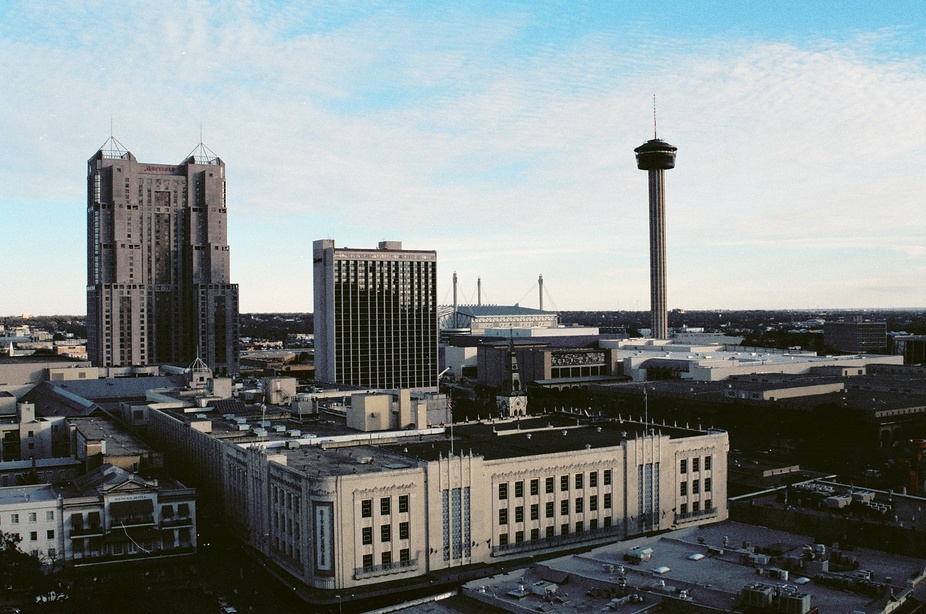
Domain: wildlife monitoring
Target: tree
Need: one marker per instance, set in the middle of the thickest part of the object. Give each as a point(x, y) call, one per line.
point(18, 570)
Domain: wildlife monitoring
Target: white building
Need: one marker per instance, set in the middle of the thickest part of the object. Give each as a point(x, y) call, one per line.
point(339, 512)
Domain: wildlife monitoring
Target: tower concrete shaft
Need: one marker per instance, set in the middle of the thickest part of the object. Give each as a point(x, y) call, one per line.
point(656, 156)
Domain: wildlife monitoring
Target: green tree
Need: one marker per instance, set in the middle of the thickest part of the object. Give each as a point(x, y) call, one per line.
point(18, 570)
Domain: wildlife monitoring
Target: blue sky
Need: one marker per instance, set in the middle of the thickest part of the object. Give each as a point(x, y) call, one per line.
point(500, 134)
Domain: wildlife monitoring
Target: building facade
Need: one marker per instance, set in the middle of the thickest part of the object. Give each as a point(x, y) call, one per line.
point(375, 316)
point(105, 516)
point(856, 336)
point(338, 513)
point(158, 279)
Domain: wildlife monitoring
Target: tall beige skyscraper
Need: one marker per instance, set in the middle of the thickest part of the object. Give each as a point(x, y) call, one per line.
point(158, 289)
point(375, 316)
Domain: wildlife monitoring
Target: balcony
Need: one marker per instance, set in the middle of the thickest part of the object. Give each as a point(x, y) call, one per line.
point(557, 541)
point(692, 516)
point(86, 531)
point(361, 573)
point(175, 522)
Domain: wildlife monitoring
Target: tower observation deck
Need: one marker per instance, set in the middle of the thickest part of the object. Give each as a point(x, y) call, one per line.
point(656, 156)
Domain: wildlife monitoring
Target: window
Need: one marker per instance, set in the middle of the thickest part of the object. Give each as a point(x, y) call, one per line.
point(683, 466)
point(503, 516)
point(607, 501)
point(696, 464)
point(707, 463)
point(519, 514)
point(535, 534)
point(580, 505)
point(607, 477)
point(695, 507)
point(503, 491)
point(707, 485)
point(385, 533)
point(50, 534)
point(607, 522)
point(550, 532)
point(564, 507)
point(683, 489)
point(403, 530)
point(366, 535)
point(535, 487)
point(707, 505)
point(593, 479)
point(403, 504)
point(519, 488)
point(367, 561)
point(519, 537)
point(49, 516)
point(14, 518)
point(33, 516)
point(593, 503)
point(580, 526)
point(366, 508)
point(33, 536)
point(549, 484)
point(564, 528)
point(385, 506)
point(683, 509)
point(549, 510)
point(593, 524)
point(386, 558)
point(404, 555)
point(580, 480)
point(503, 539)
point(695, 487)
point(535, 511)
point(564, 482)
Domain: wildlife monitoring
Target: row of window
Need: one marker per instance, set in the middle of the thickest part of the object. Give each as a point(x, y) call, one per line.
point(550, 532)
point(550, 508)
point(34, 535)
point(386, 558)
point(33, 517)
point(695, 464)
point(695, 487)
point(385, 506)
point(550, 483)
point(385, 533)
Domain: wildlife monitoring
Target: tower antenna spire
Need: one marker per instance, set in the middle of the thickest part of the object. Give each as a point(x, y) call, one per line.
point(654, 116)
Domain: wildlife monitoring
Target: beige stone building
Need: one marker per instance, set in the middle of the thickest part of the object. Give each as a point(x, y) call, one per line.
point(349, 510)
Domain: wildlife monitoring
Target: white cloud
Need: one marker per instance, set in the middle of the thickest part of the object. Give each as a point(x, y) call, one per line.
point(447, 131)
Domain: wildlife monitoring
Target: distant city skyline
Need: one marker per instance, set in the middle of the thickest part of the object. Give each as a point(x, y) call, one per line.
point(499, 135)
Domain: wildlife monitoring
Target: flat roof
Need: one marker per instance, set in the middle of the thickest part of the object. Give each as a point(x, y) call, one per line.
point(18, 495)
point(535, 436)
point(328, 447)
point(119, 442)
point(714, 580)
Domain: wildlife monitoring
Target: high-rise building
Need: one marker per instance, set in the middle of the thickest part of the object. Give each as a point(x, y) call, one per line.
point(375, 316)
point(158, 288)
point(656, 156)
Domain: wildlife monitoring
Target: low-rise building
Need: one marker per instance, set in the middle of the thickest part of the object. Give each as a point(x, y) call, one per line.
point(348, 510)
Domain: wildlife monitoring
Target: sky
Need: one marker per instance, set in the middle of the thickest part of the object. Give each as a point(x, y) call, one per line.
point(499, 134)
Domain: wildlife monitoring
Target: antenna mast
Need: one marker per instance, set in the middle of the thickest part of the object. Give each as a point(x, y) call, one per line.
point(654, 116)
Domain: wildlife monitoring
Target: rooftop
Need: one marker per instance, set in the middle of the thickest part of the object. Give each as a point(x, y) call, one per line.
point(713, 579)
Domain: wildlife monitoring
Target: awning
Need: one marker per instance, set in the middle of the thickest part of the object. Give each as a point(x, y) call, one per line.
point(136, 507)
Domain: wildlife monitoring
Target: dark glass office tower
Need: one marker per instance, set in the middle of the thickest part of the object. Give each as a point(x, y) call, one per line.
point(375, 316)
